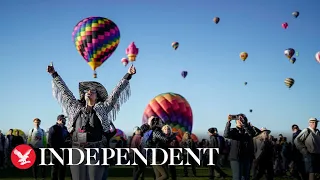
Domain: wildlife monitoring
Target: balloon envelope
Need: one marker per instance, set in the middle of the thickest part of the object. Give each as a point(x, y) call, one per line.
point(289, 82)
point(175, 45)
point(21, 133)
point(295, 14)
point(289, 52)
point(173, 109)
point(184, 74)
point(125, 61)
point(243, 56)
point(216, 20)
point(284, 25)
point(96, 38)
point(317, 56)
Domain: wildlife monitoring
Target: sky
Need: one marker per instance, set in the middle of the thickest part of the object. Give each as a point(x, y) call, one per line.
point(36, 32)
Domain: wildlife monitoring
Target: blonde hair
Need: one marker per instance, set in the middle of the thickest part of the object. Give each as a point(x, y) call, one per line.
point(185, 136)
point(167, 127)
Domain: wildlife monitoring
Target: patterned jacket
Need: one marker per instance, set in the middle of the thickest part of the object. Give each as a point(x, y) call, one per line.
point(106, 111)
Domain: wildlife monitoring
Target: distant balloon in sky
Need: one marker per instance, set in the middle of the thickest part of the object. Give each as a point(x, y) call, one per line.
point(243, 56)
point(124, 61)
point(295, 14)
point(175, 45)
point(293, 60)
point(289, 82)
point(245, 83)
point(285, 25)
point(317, 56)
point(184, 74)
point(216, 20)
point(289, 52)
point(250, 110)
point(297, 54)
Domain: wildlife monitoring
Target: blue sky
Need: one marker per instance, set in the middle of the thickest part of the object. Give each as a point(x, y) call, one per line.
point(36, 32)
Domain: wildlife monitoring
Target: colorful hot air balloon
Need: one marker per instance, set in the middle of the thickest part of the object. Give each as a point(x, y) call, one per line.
point(184, 74)
point(173, 109)
point(293, 60)
point(289, 52)
point(245, 83)
point(216, 20)
point(243, 56)
point(285, 25)
point(96, 38)
point(317, 56)
point(194, 138)
point(175, 45)
point(124, 61)
point(295, 14)
point(289, 82)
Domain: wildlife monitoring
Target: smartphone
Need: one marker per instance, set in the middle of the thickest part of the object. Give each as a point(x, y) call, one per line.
point(234, 117)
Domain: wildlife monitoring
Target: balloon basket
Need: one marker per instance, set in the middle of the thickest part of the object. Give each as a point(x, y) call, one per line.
point(95, 75)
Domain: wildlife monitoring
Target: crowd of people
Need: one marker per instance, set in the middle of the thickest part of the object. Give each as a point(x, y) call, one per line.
point(246, 148)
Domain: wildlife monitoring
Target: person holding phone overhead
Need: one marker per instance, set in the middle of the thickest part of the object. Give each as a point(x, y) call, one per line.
point(89, 117)
point(241, 149)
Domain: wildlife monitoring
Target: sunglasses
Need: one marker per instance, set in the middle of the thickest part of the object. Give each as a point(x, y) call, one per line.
point(92, 91)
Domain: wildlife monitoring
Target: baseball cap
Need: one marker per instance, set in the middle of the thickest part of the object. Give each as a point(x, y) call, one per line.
point(61, 116)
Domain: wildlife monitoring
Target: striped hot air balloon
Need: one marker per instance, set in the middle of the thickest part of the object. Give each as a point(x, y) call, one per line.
point(289, 82)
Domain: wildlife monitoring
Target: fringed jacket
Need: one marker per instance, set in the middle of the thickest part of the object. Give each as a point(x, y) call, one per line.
point(106, 111)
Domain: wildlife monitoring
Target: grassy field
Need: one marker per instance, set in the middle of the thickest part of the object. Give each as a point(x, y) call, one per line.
point(115, 173)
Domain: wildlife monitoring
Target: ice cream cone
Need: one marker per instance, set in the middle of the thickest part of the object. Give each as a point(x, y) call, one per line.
point(132, 57)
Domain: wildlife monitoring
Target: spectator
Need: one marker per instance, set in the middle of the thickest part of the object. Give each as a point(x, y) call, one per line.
point(37, 139)
point(3, 144)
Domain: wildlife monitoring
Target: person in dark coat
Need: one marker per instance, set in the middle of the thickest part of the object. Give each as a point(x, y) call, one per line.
point(215, 142)
point(187, 142)
point(17, 139)
point(241, 149)
point(58, 135)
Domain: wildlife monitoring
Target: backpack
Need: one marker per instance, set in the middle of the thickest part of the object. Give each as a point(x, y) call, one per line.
point(146, 143)
point(147, 139)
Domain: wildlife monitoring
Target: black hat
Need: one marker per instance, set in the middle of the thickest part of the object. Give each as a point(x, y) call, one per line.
point(60, 117)
point(212, 130)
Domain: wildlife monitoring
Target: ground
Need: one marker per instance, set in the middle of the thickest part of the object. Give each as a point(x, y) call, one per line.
point(116, 173)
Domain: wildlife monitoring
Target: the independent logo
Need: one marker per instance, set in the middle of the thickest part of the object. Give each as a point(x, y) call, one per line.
point(23, 156)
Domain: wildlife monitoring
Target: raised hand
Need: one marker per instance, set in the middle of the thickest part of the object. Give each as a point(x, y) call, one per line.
point(132, 70)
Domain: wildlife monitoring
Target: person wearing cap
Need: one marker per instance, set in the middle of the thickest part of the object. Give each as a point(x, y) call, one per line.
point(58, 135)
point(37, 139)
point(241, 148)
point(89, 117)
point(297, 164)
point(308, 143)
point(263, 155)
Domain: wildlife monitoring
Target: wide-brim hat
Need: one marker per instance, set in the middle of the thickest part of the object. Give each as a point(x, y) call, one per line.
point(265, 130)
point(313, 120)
point(92, 85)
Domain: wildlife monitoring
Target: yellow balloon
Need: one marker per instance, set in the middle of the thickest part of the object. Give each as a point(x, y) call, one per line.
point(243, 56)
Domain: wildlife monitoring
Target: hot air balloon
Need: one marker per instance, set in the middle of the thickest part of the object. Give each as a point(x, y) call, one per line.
point(285, 25)
point(289, 82)
point(124, 61)
point(116, 138)
point(250, 110)
point(184, 74)
point(96, 38)
point(216, 20)
point(14, 132)
point(173, 109)
point(289, 52)
point(295, 14)
point(245, 83)
point(293, 60)
point(317, 56)
point(194, 138)
point(297, 54)
point(175, 45)
point(243, 56)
